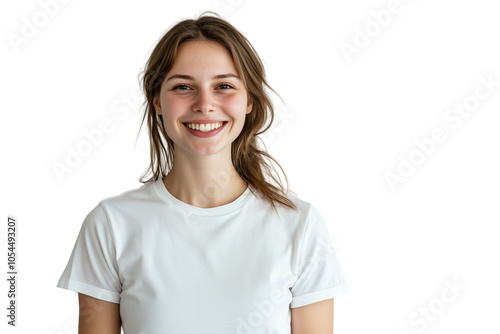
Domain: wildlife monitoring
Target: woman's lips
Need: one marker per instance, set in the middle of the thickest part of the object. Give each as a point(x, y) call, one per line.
point(205, 129)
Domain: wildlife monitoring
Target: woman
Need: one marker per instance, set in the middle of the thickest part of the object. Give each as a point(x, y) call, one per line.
point(212, 242)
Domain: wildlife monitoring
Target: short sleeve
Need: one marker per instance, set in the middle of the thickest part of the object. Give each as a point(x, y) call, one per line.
point(92, 267)
point(320, 276)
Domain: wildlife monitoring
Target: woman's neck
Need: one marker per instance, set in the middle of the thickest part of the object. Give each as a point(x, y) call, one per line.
point(204, 181)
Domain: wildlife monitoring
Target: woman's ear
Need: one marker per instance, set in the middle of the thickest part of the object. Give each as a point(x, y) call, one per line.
point(249, 104)
point(156, 103)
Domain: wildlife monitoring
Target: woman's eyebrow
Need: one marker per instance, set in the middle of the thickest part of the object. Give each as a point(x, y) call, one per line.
point(220, 76)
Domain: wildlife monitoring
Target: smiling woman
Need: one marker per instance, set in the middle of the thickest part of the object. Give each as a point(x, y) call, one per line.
point(202, 87)
point(213, 242)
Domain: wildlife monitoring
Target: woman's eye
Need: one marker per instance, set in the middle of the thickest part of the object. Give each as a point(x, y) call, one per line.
point(226, 85)
point(180, 86)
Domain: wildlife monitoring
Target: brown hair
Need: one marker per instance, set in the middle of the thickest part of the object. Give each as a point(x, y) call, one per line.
point(248, 159)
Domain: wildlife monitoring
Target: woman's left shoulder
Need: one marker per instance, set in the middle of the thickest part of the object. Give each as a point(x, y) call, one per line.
point(303, 208)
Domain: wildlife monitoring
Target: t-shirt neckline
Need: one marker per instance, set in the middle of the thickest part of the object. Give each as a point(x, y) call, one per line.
point(190, 209)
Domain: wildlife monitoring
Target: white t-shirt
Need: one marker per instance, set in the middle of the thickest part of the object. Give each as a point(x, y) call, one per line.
point(180, 269)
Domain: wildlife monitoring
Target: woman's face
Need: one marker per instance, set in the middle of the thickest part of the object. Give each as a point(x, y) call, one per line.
point(202, 99)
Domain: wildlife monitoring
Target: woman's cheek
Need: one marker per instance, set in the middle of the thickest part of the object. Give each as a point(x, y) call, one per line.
point(236, 106)
point(175, 105)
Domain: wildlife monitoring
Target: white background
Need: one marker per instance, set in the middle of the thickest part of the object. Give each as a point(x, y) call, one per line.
point(344, 126)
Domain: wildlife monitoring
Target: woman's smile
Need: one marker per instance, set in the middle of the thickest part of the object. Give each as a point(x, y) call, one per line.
point(204, 130)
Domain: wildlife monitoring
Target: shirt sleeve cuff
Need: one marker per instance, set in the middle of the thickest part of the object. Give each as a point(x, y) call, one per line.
point(317, 296)
point(89, 290)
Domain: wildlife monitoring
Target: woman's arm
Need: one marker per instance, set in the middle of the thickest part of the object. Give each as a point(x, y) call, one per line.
point(316, 318)
point(98, 316)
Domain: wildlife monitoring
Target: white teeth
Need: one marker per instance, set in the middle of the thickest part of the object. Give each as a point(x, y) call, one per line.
point(204, 127)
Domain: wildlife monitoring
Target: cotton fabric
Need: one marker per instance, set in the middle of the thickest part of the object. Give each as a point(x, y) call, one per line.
point(180, 269)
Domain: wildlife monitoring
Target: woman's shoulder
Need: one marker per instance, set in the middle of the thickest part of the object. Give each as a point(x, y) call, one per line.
point(303, 208)
point(129, 198)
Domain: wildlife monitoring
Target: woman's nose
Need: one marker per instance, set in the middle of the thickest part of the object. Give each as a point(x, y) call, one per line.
point(204, 101)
